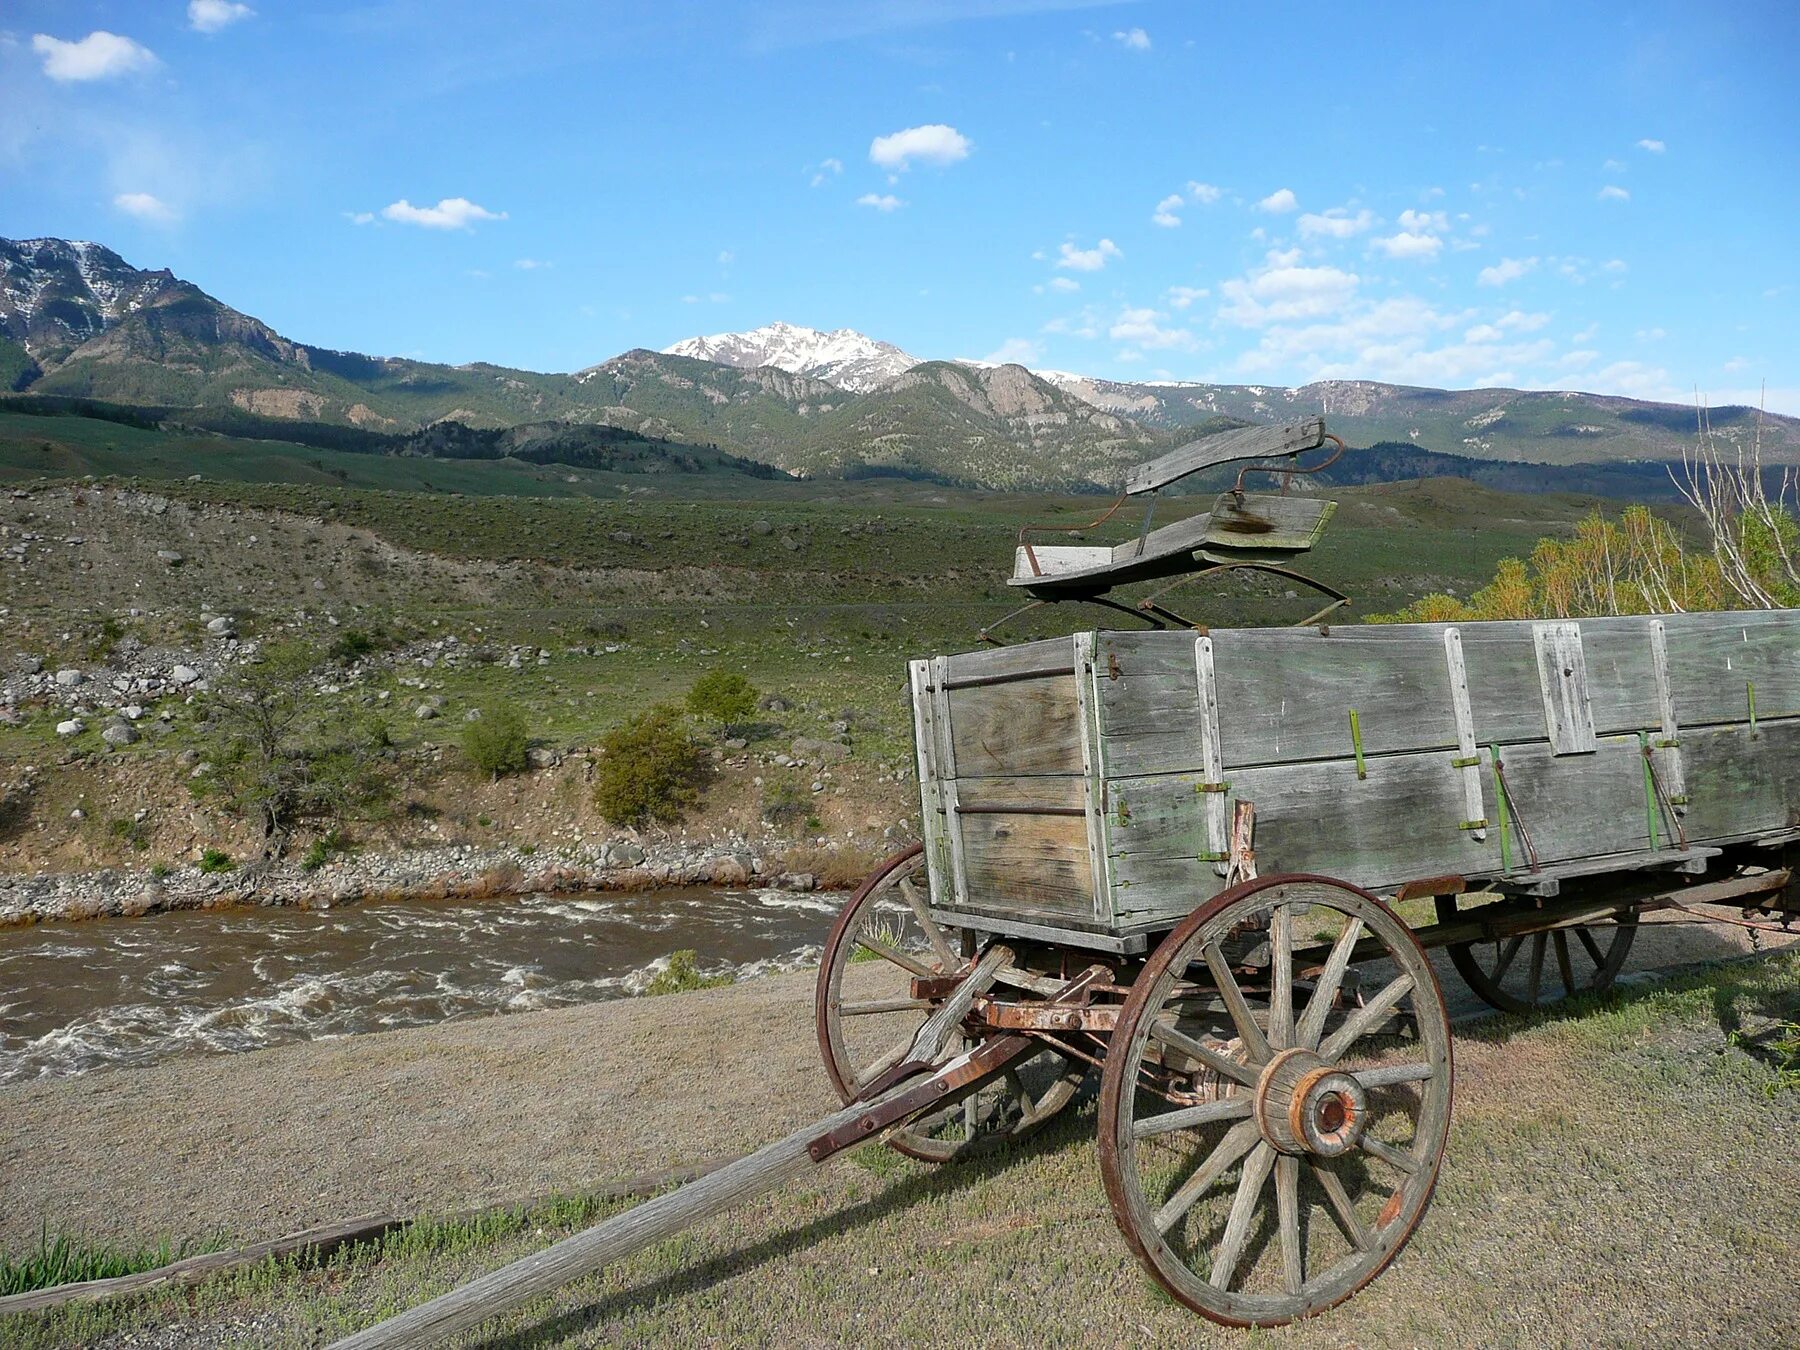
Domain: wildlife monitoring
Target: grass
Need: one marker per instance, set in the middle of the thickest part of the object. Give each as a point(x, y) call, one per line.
point(1616, 1174)
point(64, 1259)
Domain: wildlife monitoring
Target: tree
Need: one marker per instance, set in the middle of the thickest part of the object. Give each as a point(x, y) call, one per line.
point(277, 754)
point(1755, 537)
point(496, 742)
point(722, 696)
point(650, 769)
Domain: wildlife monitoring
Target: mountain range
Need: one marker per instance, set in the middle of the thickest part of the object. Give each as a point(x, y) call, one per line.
point(77, 320)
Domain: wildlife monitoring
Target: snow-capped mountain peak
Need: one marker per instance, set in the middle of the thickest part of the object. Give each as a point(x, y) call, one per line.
point(844, 357)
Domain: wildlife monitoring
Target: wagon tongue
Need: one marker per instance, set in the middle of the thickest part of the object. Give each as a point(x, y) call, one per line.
point(743, 1180)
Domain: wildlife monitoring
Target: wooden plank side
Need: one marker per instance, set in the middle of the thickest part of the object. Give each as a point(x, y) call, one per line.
point(1022, 726)
point(933, 823)
point(1577, 806)
point(1149, 703)
point(1029, 864)
point(1740, 784)
point(1712, 657)
point(1043, 657)
point(1222, 447)
point(1285, 694)
point(1093, 778)
point(1268, 521)
point(1398, 824)
point(1621, 674)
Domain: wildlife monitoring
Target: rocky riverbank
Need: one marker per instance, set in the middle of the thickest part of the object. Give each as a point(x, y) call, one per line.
point(450, 872)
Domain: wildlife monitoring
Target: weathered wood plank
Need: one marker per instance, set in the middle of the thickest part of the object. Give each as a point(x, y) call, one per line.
point(1093, 777)
point(1021, 727)
point(933, 821)
point(1713, 657)
point(1562, 683)
point(1042, 657)
point(1224, 447)
point(1577, 806)
point(1741, 784)
point(1035, 861)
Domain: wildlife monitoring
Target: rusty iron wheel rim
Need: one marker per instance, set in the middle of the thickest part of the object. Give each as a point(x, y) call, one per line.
point(1226, 1153)
point(1053, 1080)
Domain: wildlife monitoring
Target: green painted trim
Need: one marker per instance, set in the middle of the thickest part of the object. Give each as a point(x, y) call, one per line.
point(1362, 770)
point(1501, 812)
point(1473, 824)
point(1212, 787)
point(1213, 857)
point(1465, 761)
point(1650, 811)
point(1750, 695)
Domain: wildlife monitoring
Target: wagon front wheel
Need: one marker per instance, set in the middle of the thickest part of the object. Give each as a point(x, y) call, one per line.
point(869, 1003)
point(1271, 1124)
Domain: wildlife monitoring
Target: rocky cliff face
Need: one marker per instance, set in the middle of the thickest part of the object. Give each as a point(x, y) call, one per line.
point(56, 294)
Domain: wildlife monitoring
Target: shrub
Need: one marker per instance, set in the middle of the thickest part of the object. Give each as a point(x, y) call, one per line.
point(321, 851)
point(786, 805)
point(682, 974)
point(216, 860)
point(722, 696)
point(354, 643)
point(130, 831)
point(651, 770)
point(495, 742)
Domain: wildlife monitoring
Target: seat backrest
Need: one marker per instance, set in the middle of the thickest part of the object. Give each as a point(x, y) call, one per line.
point(1223, 447)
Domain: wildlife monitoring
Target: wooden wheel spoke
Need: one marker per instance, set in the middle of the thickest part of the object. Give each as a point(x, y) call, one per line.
point(883, 1005)
point(1213, 1060)
point(1287, 1212)
point(1534, 978)
point(1339, 1198)
point(1226, 1108)
point(933, 934)
point(1324, 994)
point(1243, 1210)
point(1593, 948)
point(1563, 967)
point(1393, 1157)
point(901, 959)
point(1390, 1074)
point(1281, 977)
point(1503, 962)
point(1365, 1017)
point(1241, 1016)
point(1238, 1140)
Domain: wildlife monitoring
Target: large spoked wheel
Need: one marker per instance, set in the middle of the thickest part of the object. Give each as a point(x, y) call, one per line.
point(1526, 972)
point(867, 1015)
point(1271, 1127)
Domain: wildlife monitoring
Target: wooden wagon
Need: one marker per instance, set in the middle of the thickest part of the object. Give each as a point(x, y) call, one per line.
point(1209, 864)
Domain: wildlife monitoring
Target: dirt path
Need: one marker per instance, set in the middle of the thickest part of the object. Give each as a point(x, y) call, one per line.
point(450, 1116)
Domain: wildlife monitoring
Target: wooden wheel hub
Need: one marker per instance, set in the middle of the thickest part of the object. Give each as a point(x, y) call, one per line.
point(1303, 1105)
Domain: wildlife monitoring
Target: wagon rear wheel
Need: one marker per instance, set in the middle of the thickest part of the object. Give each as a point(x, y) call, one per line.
point(867, 1013)
point(1271, 1130)
point(1529, 971)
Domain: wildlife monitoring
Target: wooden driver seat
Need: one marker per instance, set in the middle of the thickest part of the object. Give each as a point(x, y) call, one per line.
point(1241, 527)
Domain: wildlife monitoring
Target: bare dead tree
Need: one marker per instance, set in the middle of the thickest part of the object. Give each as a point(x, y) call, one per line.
point(1752, 531)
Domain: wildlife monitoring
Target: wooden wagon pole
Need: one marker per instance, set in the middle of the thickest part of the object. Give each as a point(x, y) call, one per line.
point(736, 1183)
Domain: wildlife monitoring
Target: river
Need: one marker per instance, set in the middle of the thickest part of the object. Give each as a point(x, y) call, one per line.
point(119, 992)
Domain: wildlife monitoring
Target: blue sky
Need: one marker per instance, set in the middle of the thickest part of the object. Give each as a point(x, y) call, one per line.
point(1542, 195)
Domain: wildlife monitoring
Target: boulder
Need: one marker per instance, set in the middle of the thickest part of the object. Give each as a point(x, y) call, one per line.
point(69, 728)
point(220, 627)
point(730, 869)
point(811, 748)
point(170, 556)
point(541, 757)
point(184, 675)
point(120, 733)
point(425, 712)
point(68, 679)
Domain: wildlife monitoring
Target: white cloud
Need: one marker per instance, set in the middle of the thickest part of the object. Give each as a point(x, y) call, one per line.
point(1144, 328)
point(1587, 334)
point(827, 168)
point(1337, 223)
point(1614, 166)
point(1063, 284)
point(145, 207)
point(360, 217)
point(881, 201)
point(714, 298)
point(1204, 194)
point(1507, 269)
point(209, 16)
point(1087, 259)
point(1651, 334)
point(1406, 244)
point(1016, 352)
point(1421, 221)
point(1613, 193)
point(532, 264)
point(1483, 332)
point(1180, 297)
point(1279, 201)
point(1282, 292)
point(1518, 321)
point(1654, 147)
point(98, 56)
point(726, 257)
point(1164, 214)
point(452, 213)
point(934, 143)
point(1735, 364)
point(1133, 39)
point(1614, 265)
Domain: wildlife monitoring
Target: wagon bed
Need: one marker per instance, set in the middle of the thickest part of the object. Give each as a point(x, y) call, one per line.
point(1081, 789)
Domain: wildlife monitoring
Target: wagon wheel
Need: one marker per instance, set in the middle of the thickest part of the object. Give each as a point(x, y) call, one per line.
point(1528, 971)
point(1268, 1153)
point(867, 1017)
